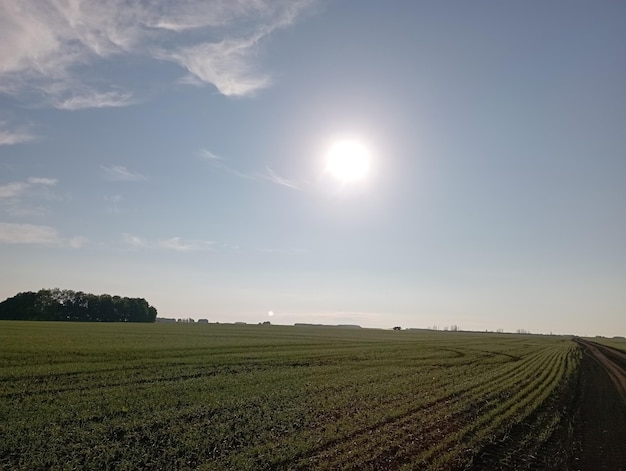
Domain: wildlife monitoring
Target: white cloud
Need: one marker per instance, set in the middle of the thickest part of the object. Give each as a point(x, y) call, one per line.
point(58, 46)
point(11, 233)
point(18, 198)
point(13, 189)
point(120, 173)
point(27, 234)
point(173, 243)
point(134, 241)
point(10, 136)
point(42, 181)
point(16, 189)
point(177, 244)
point(76, 242)
point(226, 65)
point(95, 100)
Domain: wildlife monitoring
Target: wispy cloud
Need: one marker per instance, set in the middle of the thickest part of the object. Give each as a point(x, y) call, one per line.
point(177, 244)
point(15, 189)
point(119, 173)
point(113, 204)
point(42, 181)
point(208, 155)
point(17, 197)
point(273, 177)
point(180, 245)
point(134, 241)
point(14, 135)
point(269, 174)
point(95, 100)
point(227, 65)
point(56, 47)
point(27, 234)
point(11, 233)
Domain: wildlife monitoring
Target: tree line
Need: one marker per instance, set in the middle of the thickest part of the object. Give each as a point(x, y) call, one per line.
point(67, 305)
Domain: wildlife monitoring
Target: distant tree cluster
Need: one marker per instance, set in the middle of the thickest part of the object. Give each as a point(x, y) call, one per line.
point(452, 328)
point(67, 305)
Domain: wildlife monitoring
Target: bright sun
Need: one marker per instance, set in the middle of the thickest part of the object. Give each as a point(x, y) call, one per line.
point(348, 161)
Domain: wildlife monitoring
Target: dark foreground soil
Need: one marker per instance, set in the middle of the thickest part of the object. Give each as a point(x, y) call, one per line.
point(600, 428)
point(590, 416)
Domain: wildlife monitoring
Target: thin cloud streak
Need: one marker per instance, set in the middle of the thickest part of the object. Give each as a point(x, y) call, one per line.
point(208, 155)
point(275, 178)
point(55, 47)
point(19, 198)
point(177, 244)
point(9, 137)
point(119, 173)
point(42, 181)
point(96, 100)
point(11, 233)
point(16, 189)
point(13, 189)
point(269, 175)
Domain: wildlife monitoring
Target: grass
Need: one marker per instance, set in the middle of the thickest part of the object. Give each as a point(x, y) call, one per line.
point(190, 396)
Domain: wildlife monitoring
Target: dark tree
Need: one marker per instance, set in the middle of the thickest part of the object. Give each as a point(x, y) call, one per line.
point(22, 306)
point(68, 305)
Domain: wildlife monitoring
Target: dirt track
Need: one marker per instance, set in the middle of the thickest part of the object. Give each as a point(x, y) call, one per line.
point(600, 425)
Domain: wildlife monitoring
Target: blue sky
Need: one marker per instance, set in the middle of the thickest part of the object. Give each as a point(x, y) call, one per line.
point(176, 151)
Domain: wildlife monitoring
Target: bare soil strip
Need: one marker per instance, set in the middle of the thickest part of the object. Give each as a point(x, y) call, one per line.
point(613, 361)
point(600, 430)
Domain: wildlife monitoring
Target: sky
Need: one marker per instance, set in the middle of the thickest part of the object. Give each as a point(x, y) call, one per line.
point(178, 151)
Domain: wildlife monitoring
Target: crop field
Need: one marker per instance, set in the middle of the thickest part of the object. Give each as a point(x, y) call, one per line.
point(617, 343)
point(192, 396)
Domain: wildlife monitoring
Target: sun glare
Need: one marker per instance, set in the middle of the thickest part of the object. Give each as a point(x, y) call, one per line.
point(348, 161)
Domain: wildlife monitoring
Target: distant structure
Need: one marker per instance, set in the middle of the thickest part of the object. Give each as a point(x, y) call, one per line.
point(343, 326)
point(186, 320)
point(166, 319)
point(203, 321)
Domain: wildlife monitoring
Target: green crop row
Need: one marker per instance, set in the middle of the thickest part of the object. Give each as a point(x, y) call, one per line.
point(94, 396)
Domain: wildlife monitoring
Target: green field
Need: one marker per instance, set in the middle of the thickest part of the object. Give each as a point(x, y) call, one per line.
point(615, 342)
point(193, 396)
